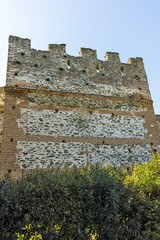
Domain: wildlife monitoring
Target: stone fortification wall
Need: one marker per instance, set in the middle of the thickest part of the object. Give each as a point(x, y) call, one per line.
point(63, 110)
point(2, 98)
point(158, 123)
point(56, 70)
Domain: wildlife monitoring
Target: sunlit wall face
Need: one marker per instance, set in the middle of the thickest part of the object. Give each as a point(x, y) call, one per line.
point(127, 27)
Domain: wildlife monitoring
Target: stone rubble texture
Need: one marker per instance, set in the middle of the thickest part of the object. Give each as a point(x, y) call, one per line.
point(62, 110)
point(2, 97)
point(80, 124)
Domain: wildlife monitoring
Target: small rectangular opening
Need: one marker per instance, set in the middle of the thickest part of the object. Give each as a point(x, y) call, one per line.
point(97, 68)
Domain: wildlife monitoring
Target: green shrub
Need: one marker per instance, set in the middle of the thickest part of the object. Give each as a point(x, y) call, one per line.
point(146, 177)
point(83, 203)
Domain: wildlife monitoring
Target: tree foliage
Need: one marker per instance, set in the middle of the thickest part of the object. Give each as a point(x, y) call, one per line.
point(146, 177)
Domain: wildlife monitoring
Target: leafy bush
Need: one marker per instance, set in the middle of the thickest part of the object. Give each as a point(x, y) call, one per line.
point(146, 177)
point(92, 203)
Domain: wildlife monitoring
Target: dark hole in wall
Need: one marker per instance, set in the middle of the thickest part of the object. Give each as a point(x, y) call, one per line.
point(103, 142)
point(122, 69)
point(151, 143)
point(16, 74)
point(11, 140)
point(56, 110)
point(36, 65)
point(47, 79)
point(13, 107)
point(17, 62)
point(97, 66)
point(83, 70)
point(63, 141)
point(137, 77)
point(68, 62)
point(22, 53)
point(61, 69)
point(9, 170)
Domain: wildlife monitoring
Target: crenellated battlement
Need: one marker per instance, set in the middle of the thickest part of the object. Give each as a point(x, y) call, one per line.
point(57, 48)
point(24, 44)
point(88, 52)
point(19, 44)
point(58, 71)
point(112, 57)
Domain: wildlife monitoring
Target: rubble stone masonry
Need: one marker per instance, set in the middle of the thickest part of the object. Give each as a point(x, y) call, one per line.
point(62, 110)
point(2, 98)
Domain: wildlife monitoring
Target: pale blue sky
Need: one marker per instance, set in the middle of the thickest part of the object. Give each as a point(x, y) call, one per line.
point(130, 27)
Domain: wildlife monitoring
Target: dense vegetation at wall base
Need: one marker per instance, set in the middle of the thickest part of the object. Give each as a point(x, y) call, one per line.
point(90, 203)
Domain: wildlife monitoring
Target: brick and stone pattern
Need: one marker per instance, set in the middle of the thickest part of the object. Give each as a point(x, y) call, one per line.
point(99, 102)
point(158, 121)
point(63, 111)
point(158, 124)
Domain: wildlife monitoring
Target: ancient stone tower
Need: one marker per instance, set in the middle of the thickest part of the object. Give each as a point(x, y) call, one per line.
point(63, 110)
